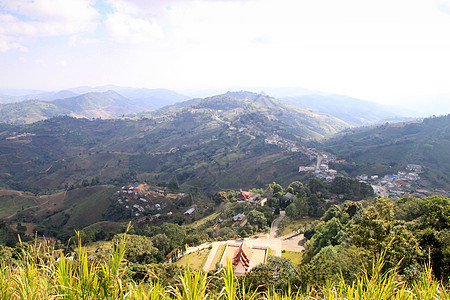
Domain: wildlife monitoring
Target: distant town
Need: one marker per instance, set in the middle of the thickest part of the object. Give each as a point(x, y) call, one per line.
point(395, 185)
point(140, 197)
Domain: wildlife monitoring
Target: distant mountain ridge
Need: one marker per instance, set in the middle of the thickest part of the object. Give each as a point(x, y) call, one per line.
point(393, 146)
point(213, 142)
point(301, 122)
point(93, 104)
point(354, 111)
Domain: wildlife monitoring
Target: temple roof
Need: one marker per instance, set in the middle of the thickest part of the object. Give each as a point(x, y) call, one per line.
point(244, 255)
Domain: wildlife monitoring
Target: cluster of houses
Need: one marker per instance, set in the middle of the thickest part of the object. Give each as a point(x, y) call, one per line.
point(282, 143)
point(273, 139)
point(249, 129)
point(16, 135)
point(389, 185)
point(141, 197)
point(399, 184)
point(321, 166)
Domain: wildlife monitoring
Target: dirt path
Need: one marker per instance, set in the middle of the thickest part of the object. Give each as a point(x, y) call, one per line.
point(276, 224)
point(38, 205)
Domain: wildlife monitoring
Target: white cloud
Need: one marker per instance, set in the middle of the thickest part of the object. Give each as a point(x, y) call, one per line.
point(25, 20)
point(127, 28)
point(443, 5)
point(65, 11)
point(62, 63)
point(134, 21)
point(371, 49)
point(6, 44)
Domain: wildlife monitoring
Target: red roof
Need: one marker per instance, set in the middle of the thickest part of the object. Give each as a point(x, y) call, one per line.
point(244, 195)
point(244, 255)
point(401, 182)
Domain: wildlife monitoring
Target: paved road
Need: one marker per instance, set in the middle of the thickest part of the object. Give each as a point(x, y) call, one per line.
point(276, 224)
point(277, 244)
point(208, 263)
point(295, 243)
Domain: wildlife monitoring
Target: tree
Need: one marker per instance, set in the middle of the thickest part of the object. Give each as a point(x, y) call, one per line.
point(278, 272)
point(277, 189)
point(291, 210)
point(329, 233)
point(139, 249)
point(341, 185)
point(351, 208)
point(316, 185)
point(175, 233)
point(333, 212)
point(302, 206)
point(332, 262)
point(220, 197)
point(408, 208)
point(297, 186)
point(378, 231)
point(434, 234)
point(162, 243)
point(257, 218)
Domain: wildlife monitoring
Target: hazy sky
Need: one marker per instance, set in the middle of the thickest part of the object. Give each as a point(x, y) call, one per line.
point(379, 50)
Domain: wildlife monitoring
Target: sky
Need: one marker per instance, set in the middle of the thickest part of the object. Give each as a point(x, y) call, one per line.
point(386, 51)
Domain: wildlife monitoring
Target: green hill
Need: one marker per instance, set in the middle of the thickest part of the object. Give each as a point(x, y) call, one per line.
point(96, 105)
point(217, 142)
point(393, 146)
point(103, 102)
point(353, 111)
point(91, 105)
point(29, 111)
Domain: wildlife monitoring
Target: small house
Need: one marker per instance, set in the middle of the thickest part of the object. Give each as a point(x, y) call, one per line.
point(245, 195)
point(239, 217)
point(189, 211)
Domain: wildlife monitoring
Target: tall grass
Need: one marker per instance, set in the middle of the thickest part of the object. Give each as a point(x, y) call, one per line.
point(43, 273)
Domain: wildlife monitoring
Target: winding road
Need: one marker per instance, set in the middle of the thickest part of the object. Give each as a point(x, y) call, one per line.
point(276, 225)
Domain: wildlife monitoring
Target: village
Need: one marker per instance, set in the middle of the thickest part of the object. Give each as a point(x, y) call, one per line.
point(141, 197)
point(396, 185)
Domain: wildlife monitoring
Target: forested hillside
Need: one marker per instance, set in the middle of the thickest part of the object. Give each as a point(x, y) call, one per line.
point(390, 146)
point(216, 143)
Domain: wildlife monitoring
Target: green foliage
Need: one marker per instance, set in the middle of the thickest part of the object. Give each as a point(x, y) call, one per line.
point(335, 262)
point(139, 249)
point(162, 243)
point(39, 275)
point(296, 186)
point(291, 210)
point(278, 273)
point(406, 230)
point(373, 150)
point(351, 188)
point(326, 234)
point(378, 231)
point(257, 218)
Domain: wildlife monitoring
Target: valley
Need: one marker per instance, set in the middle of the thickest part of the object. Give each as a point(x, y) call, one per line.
point(199, 179)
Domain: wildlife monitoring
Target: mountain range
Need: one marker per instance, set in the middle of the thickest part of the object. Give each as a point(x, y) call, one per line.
point(385, 148)
point(213, 143)
point(353, 111)
point(27, 106)
point(201, 142)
